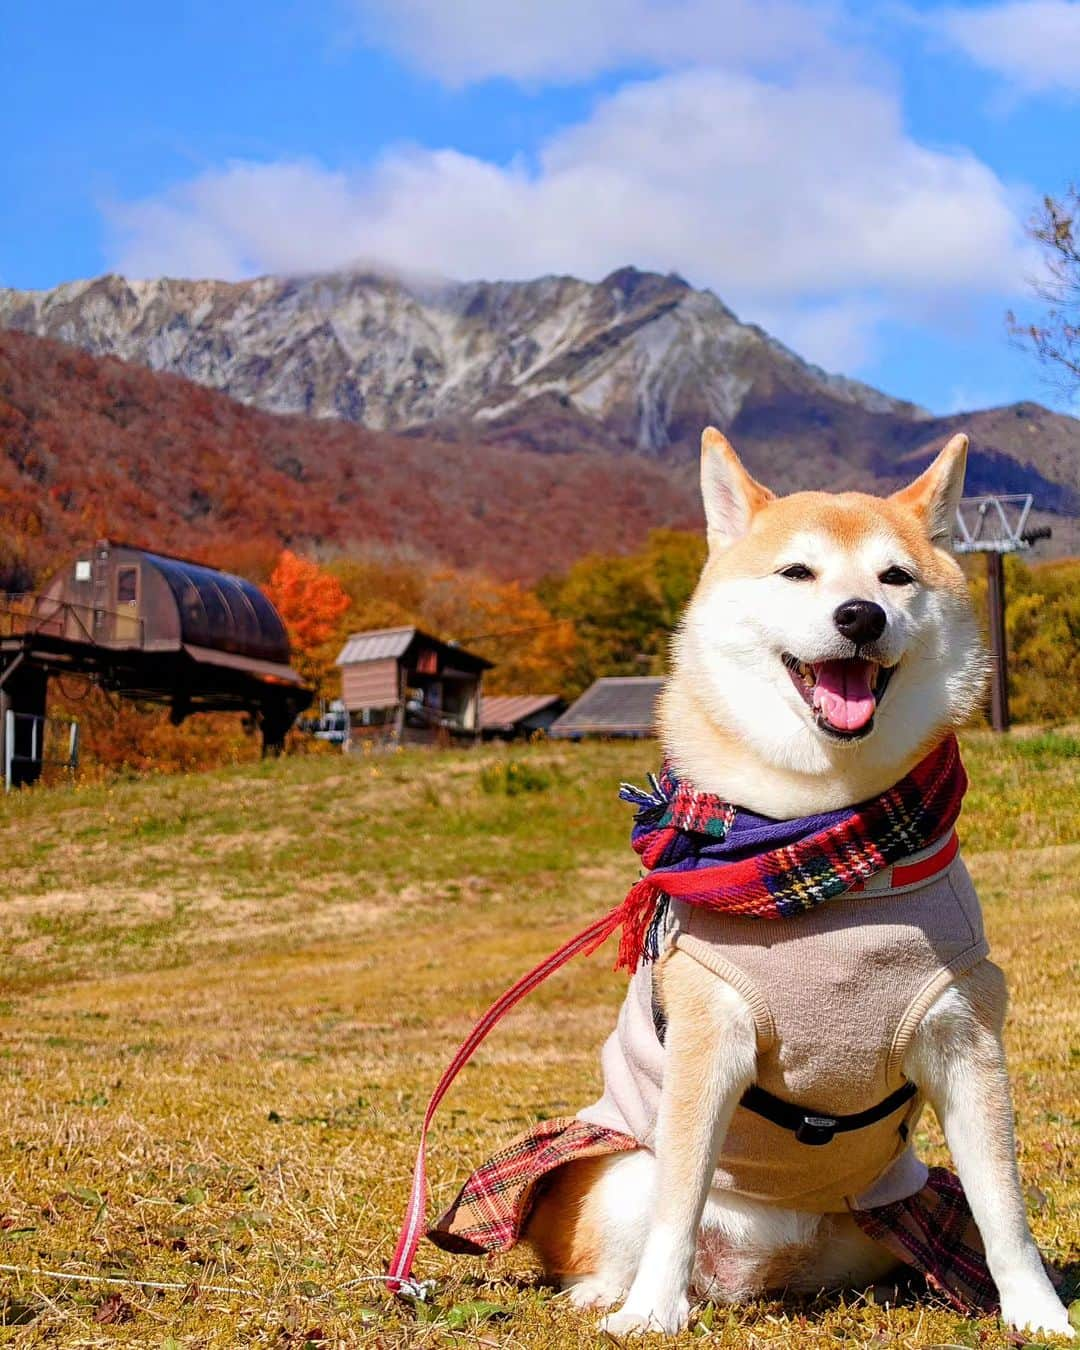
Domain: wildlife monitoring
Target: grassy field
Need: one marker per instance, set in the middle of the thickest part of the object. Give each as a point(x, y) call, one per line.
point(225, 997)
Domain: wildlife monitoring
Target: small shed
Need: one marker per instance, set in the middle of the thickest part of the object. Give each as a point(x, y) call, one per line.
point(403, 686)
point(512, 716)
point(619, 705)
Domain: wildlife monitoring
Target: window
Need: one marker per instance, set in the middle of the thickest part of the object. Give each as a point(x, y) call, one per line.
point(127, 585)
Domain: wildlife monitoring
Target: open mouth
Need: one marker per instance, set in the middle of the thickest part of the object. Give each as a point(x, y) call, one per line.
point(843, 695)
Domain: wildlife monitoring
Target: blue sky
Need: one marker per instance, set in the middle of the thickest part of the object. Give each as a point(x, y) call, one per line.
point(854, 178)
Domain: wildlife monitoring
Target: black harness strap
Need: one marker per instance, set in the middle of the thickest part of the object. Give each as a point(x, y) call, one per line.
point(814, 1127)
point(808, 1127)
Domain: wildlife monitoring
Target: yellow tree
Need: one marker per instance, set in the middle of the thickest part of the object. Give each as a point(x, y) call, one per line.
point(533, 650)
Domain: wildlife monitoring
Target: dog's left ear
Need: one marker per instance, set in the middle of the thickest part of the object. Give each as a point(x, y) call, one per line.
point(732, 498)
point(935, 494)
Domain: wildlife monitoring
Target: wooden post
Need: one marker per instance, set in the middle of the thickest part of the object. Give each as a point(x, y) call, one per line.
point(398, 732)
point(999, 657)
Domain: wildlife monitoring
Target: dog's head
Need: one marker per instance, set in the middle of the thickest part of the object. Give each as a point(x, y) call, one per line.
point(830, 640)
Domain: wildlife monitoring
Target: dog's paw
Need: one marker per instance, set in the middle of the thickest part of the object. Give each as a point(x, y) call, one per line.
point(661, 1321)
point(1037, 1313)
point(593, 1291)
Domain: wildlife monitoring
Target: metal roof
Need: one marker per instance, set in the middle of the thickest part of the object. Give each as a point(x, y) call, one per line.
point(381, 644)
point(219, 610)
point(377, 645)
point(623, 705)
point(499, 711)
point(268, 670)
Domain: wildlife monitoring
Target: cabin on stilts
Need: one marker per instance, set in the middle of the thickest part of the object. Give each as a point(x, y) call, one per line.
point(144, 626)
point(401, 686)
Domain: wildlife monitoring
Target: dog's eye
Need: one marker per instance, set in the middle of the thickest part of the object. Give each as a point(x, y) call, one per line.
point(895, 576)
point(797, 572)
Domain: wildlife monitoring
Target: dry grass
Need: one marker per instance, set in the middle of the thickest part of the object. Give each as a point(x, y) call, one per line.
point(226, 996)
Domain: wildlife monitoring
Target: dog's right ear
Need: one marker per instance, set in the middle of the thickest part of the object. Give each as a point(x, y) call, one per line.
point(731, 497)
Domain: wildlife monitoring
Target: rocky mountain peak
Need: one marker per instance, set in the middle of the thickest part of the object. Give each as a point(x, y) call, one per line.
point(638, 351)
point(636, 363)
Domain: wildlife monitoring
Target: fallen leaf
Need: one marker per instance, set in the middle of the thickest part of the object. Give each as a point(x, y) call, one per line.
point(473, 1312)
point(87, 1196)
point(112, 1310)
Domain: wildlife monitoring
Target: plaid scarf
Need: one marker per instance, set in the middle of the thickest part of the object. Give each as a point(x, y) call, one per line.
point(696, 852)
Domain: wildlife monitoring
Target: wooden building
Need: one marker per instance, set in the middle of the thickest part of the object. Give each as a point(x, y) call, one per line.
point(616, 706)
point(145, 626)
point(509, 717)
point(403, 686)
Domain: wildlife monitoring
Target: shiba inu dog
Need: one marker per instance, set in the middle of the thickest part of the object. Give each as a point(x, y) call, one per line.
point(830, 644)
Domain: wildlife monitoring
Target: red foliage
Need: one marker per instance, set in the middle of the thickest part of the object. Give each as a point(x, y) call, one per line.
point(312, 604)
point(93, 447)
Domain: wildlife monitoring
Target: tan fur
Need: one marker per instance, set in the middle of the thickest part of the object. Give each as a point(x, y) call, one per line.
point(750, 541)
point(564, 1227)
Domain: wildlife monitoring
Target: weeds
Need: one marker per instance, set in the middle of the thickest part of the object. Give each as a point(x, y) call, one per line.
point(514, 776)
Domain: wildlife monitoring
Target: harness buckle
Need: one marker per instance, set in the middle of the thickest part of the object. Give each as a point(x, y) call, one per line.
point(816, 1130)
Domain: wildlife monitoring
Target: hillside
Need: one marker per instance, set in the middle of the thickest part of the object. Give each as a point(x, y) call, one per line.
point(94, 446)
point(637, 363)
point(225, 997)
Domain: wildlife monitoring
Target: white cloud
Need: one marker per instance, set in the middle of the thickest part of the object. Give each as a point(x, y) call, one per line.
point(463, 41)
point(963, 398)
point(836, 335)
point(806, 199)
point(1035, 44)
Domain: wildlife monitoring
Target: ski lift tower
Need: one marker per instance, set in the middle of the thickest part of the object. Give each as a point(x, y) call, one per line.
point(995, 526)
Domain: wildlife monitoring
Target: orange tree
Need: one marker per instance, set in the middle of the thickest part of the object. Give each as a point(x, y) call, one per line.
point(312, 604)
point(533, 650)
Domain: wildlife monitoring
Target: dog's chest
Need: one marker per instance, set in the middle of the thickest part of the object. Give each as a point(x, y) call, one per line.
point(836, 996)
point(837, 993)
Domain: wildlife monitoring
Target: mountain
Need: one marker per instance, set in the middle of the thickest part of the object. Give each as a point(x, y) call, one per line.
point(638, 352)
point(95, 446)
point(636, 364)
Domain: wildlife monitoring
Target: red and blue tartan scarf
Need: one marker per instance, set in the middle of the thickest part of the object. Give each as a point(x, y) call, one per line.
point(705, 851)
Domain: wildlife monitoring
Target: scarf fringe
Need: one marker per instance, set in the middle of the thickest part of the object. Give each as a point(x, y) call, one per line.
point(635, 915)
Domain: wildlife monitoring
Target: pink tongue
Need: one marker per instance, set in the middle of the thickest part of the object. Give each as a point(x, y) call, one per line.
point(842, 694)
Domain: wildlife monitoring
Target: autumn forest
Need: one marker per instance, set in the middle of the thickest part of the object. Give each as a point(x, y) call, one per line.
point(558, 568)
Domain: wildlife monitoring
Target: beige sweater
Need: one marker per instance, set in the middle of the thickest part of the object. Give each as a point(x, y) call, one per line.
point(837, 995)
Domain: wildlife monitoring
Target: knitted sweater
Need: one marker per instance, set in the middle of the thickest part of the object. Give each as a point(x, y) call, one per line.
point(836, 996)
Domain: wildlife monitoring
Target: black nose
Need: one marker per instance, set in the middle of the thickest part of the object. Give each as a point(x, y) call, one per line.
point(860, 620)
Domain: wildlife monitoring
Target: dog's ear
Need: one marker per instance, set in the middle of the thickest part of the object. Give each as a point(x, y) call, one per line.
point(732, 498)
point(935, 494)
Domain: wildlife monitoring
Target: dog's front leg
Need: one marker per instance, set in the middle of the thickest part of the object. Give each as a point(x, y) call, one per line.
point(958, 1061)
point(709, 1060)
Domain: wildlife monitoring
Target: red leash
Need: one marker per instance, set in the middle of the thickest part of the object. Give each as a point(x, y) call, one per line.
point(411, 1229)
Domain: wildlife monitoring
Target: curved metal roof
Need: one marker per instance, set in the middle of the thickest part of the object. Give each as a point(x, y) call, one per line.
point(221, 611)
